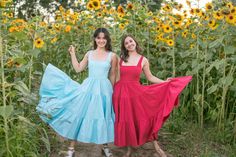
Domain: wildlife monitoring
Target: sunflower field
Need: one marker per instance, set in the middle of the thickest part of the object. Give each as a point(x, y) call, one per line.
point(177, 41)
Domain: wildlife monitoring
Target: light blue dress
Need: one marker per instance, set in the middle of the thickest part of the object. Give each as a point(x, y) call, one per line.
point(81, 112)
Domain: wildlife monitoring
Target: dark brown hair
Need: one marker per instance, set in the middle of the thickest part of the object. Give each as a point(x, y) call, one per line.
point(124, 53)
point(108, 46)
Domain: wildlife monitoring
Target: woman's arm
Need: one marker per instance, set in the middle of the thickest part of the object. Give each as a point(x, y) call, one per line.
point(118, 70)
point(113, 70)
point(148, 74)
point(76, 65)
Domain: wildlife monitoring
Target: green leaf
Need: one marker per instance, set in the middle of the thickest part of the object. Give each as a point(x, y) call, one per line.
point(216, 42)
point(229, 49)
point(212, 89)
point(229, 80)
point(46, 142)
point(6, 111)
point(34, 52)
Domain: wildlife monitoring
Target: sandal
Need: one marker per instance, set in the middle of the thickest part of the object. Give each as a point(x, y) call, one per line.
point(70, 152)
point(107, 152)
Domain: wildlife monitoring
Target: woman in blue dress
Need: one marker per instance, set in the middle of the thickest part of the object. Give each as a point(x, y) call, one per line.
point(82, 112)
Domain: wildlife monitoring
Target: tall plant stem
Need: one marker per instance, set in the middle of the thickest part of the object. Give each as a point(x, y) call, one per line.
point(203, 87)
point(6, 128)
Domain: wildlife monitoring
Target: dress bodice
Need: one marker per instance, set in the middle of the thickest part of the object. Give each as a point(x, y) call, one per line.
point(98, 69)
point(131, 73)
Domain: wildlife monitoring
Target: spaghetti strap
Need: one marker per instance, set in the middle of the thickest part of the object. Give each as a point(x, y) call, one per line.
point(140, 61)
point(89, 55)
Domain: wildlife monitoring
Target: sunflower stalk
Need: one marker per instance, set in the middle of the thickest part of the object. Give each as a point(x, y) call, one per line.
point(173, 58)
point(203, 86)
point(6, 128)
point(31, 60)
point(197, 89)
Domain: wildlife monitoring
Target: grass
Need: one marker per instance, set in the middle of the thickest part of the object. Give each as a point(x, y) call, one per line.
point(187, 139)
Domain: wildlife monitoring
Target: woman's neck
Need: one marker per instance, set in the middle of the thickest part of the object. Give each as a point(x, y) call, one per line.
point(100, 50)
point(132, 53)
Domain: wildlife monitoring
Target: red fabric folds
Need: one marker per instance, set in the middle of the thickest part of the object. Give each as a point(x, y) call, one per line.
point(141, 110)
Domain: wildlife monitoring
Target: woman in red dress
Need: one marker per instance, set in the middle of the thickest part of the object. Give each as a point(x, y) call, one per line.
point(141, 110)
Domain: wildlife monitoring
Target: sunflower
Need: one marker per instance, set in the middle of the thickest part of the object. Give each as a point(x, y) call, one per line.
point(201, 14)
point(120, 10)
point(10, 62)
point(233, 11)
point(225, 11)
point(160, 37)
point(3, 4)
point(217, 15)
point(96, 4)
point(176, 23)
point(229, 5)
point(170, 42)
point(206, 17)
point(192, 46)
point(179, 17)
point(38, 43)
point(121, 26)
point(120, 16)
point(193, 36)
point(158, 28)
point(212, 24)
point(214, 27)
point(167, 8)
point(99, 14)
point(179, 7)
point(54, 40)
point(230, 19)
point(43, 24)
point(10, 15)
point(192, 11)
point(150, 13)
point(197, 11)
point(184, 33)
point(90, 5)
point(61, 8)
point(68, 28)
point(208, 6)
point(130, 6)
point(12, 29)
point(111, 11)
point(156, 19)
point(188, 3)
point(167, 28)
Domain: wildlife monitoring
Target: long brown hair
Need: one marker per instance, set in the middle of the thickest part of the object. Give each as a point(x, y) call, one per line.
point(107, 37)
point(124, 55)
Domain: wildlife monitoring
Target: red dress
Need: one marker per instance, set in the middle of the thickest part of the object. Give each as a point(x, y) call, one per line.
point(140, 111)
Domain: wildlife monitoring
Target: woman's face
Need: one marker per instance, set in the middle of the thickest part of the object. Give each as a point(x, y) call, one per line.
point(100, 40)
point(130, 44)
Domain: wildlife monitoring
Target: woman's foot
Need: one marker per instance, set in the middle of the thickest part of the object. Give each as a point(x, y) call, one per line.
point(107, 151)
point(70, 152)
point(159, 150)
point(128, 153)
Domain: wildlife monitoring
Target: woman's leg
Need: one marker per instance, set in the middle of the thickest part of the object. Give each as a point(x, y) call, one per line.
point(71, 149)
point(158, 149)
point(129, 152)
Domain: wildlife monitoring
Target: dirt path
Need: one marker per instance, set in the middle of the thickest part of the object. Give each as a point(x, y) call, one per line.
point(92, 150)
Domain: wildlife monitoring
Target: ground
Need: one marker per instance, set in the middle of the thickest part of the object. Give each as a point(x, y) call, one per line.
point(93, 150)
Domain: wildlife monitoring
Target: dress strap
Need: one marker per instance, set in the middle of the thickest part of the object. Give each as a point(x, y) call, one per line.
point(89, 55)
point(140, 61)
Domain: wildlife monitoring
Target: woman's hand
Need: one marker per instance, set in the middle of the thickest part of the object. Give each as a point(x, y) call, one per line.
point(71, 49)
point(168, 79)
